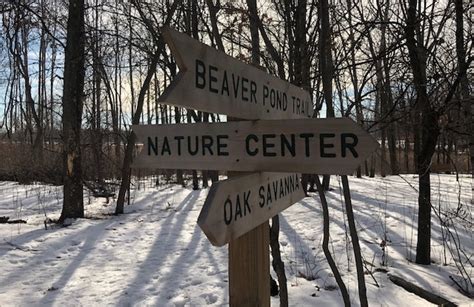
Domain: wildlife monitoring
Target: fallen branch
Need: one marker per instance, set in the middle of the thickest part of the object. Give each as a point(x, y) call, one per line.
point(19, 247)
point(99, 189)
point(6, 220)
point(410, 287)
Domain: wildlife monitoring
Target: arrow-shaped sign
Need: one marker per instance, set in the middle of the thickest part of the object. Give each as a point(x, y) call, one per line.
point(321, 146)
point(235, 206)
point(211, 81)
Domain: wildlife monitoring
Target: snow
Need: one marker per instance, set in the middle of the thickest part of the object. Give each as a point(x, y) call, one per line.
point(155, 254)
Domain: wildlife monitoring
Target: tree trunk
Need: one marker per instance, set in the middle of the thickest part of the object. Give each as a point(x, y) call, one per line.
point(383, 151)
point(429, 133)
point(372, 167)
point(407, 151)
point(96, 108)
point(73, 91)
point(278, 264)
point(213, 9)
point(467, 102)
point(326, 64)
point(355, 242)
point(179, 172)
point(327, 252)
point(387, 99)
point(51, 89)
point(118, 101)
point(354, 76)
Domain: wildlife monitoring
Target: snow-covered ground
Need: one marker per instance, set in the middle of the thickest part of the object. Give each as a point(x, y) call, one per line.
point(155, 254)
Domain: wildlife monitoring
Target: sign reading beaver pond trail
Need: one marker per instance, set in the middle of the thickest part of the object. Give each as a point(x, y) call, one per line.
point(235, 206)
point(321, 146)
point(210, 80)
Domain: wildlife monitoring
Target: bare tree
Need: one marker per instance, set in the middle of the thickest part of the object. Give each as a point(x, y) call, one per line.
point(428, 118)
point(73, 206)
point(465, 96)
point(154, 58)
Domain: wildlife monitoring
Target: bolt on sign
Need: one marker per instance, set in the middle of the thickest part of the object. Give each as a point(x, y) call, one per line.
point(211, 81)
point(321, 146)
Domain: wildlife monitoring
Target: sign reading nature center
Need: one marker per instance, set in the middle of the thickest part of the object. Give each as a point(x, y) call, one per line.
point(323, 146)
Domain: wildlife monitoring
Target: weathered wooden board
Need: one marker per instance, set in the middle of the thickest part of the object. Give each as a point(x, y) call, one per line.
point(249, 268)
point(211, 81)
point(321, 146)
point(235, 206)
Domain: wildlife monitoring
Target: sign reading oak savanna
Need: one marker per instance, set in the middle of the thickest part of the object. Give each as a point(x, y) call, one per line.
point(235, 206)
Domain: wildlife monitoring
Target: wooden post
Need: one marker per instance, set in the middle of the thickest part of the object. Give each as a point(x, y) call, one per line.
point(249, 265)
point(249, 268)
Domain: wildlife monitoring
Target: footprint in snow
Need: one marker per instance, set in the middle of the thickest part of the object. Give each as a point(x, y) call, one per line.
point(212, 272)
point(196, 282)
point(71, 249)
point(179, 301)
point(210, 298)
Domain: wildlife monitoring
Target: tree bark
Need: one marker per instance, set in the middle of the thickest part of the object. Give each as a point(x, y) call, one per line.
point(73, 91)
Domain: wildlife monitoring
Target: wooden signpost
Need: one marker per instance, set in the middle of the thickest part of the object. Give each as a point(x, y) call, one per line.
point(235, 206)
point(277, 138)
point(211, 81)
point(322, 146)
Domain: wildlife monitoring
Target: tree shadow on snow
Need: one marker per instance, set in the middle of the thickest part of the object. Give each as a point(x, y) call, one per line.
point(164, 244)
point(371, 225)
